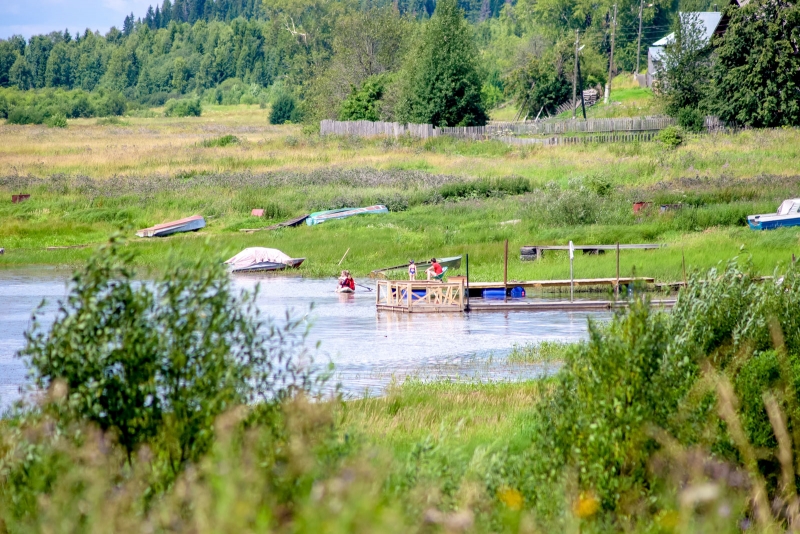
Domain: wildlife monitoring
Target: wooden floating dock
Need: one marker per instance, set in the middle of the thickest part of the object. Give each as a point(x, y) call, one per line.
point(476, 288)
point(535, 252)
point(544, 284)
point(422, 296)
point(481, 305)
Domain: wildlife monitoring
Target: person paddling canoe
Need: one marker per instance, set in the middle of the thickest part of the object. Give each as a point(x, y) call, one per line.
point(346, 283)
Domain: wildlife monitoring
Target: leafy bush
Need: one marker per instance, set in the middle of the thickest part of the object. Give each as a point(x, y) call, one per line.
point(81, 107)
point(609, 389)
point(512, 185)
point(34, 107)
point(26, 115)
point(161, 360)
point(671, 137)
point(112, 104)
point(59, 120)
point(691, 120)
point(224, 140)
point(183, 108)
point(643, 372)
point(3, 107)
point(283, 109)
point(364, 103)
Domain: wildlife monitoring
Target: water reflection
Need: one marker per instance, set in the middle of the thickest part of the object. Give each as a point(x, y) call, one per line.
point(369, 349)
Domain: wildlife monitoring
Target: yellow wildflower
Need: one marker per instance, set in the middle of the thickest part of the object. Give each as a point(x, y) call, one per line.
point(511, 498)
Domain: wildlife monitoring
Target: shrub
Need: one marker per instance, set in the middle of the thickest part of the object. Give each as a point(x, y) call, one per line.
point(512, 185)
point(670, 137)
point(183, 108)
point(225, 140)
point(26, 115)
point(59, 120)
point(80, 108)
point(364, 103)
point(283, 109)
point(610, 387)
point(3, 107)
point(161, 360)
point(111, 104)
point(691, 120)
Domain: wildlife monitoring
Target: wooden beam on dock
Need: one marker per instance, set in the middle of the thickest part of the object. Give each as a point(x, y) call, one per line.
point(564, 305)
point(534, 252)
point(543, 284)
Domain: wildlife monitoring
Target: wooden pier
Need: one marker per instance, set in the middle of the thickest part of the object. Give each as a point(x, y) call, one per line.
point(535, 252)
point(422, 296)
point(481, 305)
point(475, 288)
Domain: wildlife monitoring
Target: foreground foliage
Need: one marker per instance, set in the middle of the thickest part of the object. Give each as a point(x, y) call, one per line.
point(679, 422)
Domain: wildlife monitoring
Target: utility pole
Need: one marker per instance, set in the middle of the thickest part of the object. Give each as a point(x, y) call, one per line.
point(575, 80)
point(580, 87)
point(611, 59)
point(639, 40)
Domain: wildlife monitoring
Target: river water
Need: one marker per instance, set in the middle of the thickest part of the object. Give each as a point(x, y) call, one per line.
point(369, 349)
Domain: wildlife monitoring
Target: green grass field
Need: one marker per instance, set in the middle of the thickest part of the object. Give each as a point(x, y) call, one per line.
point(92, 179)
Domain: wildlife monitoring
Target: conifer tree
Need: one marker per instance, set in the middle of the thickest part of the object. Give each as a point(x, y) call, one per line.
point(757, 73)
point(444, 87)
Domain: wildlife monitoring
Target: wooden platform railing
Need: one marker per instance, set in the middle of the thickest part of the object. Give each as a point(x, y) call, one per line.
point(420, 296)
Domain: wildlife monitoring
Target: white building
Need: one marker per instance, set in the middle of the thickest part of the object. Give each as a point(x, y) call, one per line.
point(713, 23)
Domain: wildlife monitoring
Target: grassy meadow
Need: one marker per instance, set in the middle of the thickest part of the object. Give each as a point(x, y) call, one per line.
point(446, 196)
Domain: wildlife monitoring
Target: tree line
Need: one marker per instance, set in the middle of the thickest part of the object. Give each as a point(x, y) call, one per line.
point(384, 60)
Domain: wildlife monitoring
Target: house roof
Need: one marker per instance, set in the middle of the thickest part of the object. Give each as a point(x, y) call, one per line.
point(709, 20)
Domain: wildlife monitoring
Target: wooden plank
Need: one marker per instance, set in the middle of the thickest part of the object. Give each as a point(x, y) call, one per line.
point(560, 283)
point(639, 246)
point(578, 305)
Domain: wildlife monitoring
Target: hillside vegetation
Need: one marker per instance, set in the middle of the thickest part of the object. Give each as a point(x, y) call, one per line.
point(446, 196)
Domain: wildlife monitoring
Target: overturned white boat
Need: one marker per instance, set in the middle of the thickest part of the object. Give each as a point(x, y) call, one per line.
point(255, 259)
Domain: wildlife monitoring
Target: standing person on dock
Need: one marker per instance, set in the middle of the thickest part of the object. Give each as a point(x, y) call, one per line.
point(434, 270)
point(346, 282)
point(412, 270)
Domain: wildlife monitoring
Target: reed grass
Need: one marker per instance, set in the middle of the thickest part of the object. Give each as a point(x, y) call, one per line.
point(171, 146)
point(92, 179)
point(542, 352)
point(462, 415)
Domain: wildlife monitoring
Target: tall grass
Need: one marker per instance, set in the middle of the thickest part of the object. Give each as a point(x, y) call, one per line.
point(431, 215)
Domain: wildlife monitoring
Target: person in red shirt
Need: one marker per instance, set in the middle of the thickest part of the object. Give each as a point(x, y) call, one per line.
point(434, 270)
point(346, 281)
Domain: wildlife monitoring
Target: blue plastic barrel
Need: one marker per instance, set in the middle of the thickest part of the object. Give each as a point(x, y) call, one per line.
point(518, 293)
point(416, 294)
point(494, 293)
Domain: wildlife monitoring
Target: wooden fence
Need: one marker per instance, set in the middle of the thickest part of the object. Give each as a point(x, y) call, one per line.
point(618, 129)
point(374, 129)
point(577, 140)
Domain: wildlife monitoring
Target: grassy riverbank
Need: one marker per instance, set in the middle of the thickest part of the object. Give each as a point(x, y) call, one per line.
point(447, 197)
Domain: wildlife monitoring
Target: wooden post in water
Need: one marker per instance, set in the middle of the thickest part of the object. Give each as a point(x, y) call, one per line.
point(467, 306)
point(505, 275)
point(571, 272)
point(616, 288)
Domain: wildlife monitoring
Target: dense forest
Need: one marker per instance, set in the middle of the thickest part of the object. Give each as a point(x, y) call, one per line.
point(357, 59)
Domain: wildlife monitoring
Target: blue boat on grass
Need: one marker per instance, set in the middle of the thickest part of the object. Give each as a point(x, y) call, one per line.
point(322, 216)
point(787, 215)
